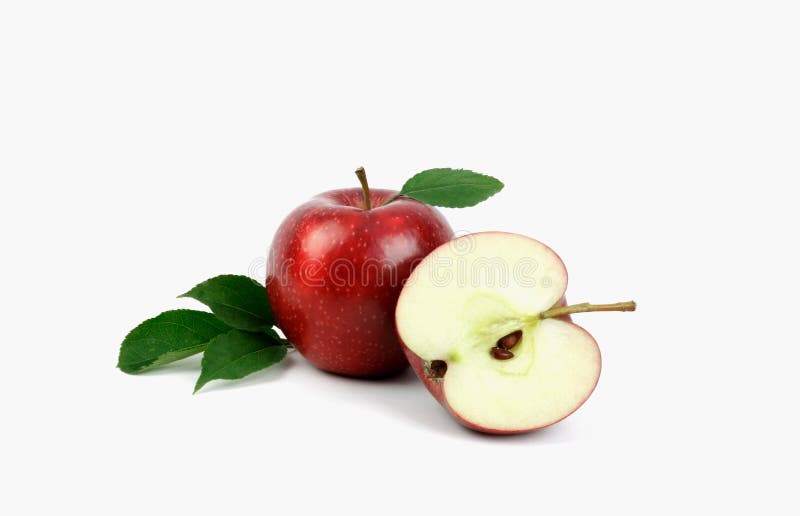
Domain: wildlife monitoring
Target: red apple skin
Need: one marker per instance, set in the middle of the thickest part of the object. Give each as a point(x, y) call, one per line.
point(323, 282)
point(436, 388)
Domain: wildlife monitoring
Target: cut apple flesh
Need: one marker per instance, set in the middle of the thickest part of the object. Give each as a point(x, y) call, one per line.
point(470, 293)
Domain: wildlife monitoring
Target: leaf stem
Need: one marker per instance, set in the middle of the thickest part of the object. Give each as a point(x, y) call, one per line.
point(626, 306)
point(392, 198)
point(362, 177)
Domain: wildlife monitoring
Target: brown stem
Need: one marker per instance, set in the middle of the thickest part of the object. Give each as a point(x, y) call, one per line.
point(626, 306)
point(362, 177)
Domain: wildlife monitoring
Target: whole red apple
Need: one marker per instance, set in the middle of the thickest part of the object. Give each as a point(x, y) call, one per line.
point(336, 268)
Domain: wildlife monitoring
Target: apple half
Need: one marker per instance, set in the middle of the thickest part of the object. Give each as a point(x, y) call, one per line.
point(482, 322)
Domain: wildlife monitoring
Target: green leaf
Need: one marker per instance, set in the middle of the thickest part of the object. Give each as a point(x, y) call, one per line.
point(168, 337)
point(239, 301)
point(237, 354)
point(451, 188)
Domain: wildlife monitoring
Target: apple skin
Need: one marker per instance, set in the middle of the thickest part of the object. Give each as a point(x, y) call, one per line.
point(322, 279)
point(436, 388)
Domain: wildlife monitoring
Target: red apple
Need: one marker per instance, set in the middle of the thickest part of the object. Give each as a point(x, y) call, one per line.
point(335, 271)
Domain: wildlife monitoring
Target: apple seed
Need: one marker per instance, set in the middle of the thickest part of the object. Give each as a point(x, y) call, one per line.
point(510, 340)
point(501, 354)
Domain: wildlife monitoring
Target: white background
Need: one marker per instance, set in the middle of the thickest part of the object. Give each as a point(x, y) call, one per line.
point(146, 146)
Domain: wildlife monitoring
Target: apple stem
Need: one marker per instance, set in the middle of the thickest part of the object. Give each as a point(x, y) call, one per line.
point(625, 306)
point(362, 177)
